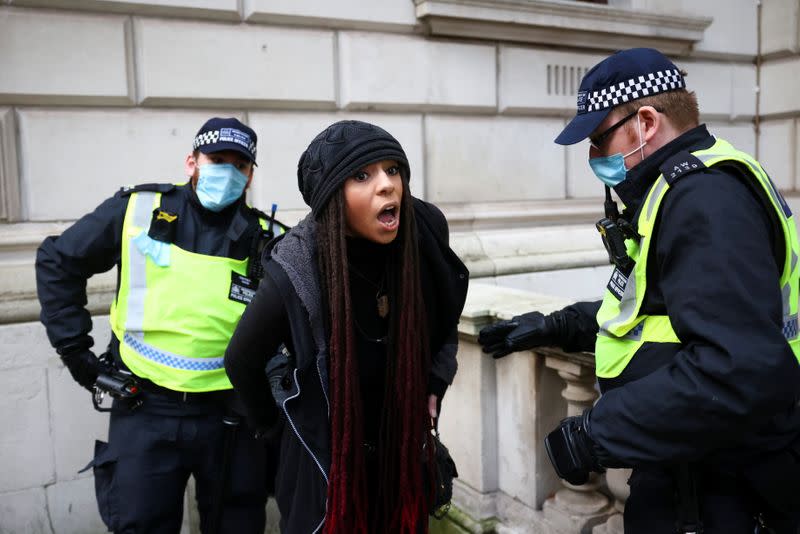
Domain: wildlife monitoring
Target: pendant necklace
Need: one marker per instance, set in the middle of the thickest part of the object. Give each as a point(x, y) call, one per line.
point(379, 340)
point(381, 298)
point(383, 304)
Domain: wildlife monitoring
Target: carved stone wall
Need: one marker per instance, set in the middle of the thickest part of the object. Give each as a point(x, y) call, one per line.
point(96, 94)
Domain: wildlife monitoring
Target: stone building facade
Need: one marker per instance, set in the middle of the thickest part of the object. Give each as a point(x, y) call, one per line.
point(96, 94)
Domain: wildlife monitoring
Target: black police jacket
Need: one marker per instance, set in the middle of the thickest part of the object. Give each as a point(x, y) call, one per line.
point(93, 245)
point(728, 393)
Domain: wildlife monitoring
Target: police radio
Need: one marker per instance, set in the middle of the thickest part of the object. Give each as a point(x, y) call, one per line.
point(255, 271)
point(613, 231)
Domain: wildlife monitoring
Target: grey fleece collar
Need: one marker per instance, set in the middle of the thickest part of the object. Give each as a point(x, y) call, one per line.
point(296, 254)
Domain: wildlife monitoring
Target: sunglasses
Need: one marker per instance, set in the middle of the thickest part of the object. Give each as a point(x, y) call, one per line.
point(597, 140)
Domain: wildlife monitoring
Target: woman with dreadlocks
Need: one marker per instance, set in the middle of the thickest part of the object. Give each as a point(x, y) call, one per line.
point(365, 294)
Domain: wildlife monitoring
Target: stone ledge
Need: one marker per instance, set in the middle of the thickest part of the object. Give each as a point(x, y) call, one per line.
point(496, 215)
point(487, 303)
point(378, 15)
point(237, 105)
point(224, 10)
point(561, 23)
point(512, 251)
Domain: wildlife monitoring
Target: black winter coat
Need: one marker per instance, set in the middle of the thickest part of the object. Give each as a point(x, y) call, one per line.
point(291, 272)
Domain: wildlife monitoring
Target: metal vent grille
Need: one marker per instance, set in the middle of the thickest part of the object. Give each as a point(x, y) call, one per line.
point(564, 79)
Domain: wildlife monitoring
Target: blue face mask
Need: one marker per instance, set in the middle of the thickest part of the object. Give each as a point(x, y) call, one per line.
point(219, 185)
point(611, 169)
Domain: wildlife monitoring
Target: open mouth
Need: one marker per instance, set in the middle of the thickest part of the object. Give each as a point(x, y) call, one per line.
point(389, 217)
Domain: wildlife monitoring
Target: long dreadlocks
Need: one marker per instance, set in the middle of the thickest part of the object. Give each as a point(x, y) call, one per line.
point(404, 438)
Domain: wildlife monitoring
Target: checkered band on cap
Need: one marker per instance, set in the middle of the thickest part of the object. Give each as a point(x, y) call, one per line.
point(212, 136)
point(638, 87)
point(205, 138)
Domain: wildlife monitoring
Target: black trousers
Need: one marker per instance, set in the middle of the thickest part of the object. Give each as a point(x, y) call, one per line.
point(141, 473)
point(727, 505)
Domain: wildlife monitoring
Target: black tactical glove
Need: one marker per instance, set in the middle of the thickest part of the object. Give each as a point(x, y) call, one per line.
point(573, 452)
point(83, 365)
point(522, 332)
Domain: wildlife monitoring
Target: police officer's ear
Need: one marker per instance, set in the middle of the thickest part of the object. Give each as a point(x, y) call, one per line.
point(190, 166)
point(650, 121)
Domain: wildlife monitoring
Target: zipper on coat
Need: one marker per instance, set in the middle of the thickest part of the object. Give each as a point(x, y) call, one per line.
point(303, 442)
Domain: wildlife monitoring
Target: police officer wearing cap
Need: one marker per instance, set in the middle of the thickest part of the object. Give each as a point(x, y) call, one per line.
point(696, 338)
point(184, 258)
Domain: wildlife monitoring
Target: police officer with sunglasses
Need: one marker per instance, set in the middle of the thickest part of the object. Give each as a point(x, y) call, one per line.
point(696, 338)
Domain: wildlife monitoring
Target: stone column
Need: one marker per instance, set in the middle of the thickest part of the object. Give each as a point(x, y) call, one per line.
point(576, 508)
point(617, 481)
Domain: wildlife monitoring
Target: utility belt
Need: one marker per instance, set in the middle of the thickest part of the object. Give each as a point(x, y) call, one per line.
point(186, 397)
point(150, 388)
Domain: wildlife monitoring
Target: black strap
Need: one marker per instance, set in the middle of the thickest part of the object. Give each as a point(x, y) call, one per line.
point(222, 493)
point(688, 506)
point(128, 190)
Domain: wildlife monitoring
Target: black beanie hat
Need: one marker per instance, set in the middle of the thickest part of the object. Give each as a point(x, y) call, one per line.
point(340, 150)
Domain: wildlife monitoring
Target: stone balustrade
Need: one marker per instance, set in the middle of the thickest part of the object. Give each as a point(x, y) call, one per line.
point(495, 418)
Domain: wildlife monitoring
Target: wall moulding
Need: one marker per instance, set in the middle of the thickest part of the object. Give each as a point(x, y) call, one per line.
point(9, 168)
point(518, 214)
point(18, 301)
point(486, 252)
point(561, 23)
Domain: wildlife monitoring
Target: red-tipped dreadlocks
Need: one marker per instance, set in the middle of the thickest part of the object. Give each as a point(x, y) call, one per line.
point(401, 505)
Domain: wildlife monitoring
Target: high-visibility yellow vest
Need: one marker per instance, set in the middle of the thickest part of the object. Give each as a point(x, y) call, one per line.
point(623, 329)
point(174, 322)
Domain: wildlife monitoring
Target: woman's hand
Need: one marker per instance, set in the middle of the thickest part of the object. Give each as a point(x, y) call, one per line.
point(432, 399)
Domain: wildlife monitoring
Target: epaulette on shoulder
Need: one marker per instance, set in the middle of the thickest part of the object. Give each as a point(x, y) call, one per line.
point(157, 188)
point(681, 164)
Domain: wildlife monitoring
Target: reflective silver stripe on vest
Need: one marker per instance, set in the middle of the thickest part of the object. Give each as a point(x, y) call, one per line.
point(137, 262)
point(790, 321)
point(170, 359)
point(627, 306)
point(656, 194)
point(786, 290)
point(790, 330)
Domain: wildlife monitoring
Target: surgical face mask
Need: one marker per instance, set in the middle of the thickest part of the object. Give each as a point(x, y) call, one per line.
point(219, 185)
point(611, 169)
